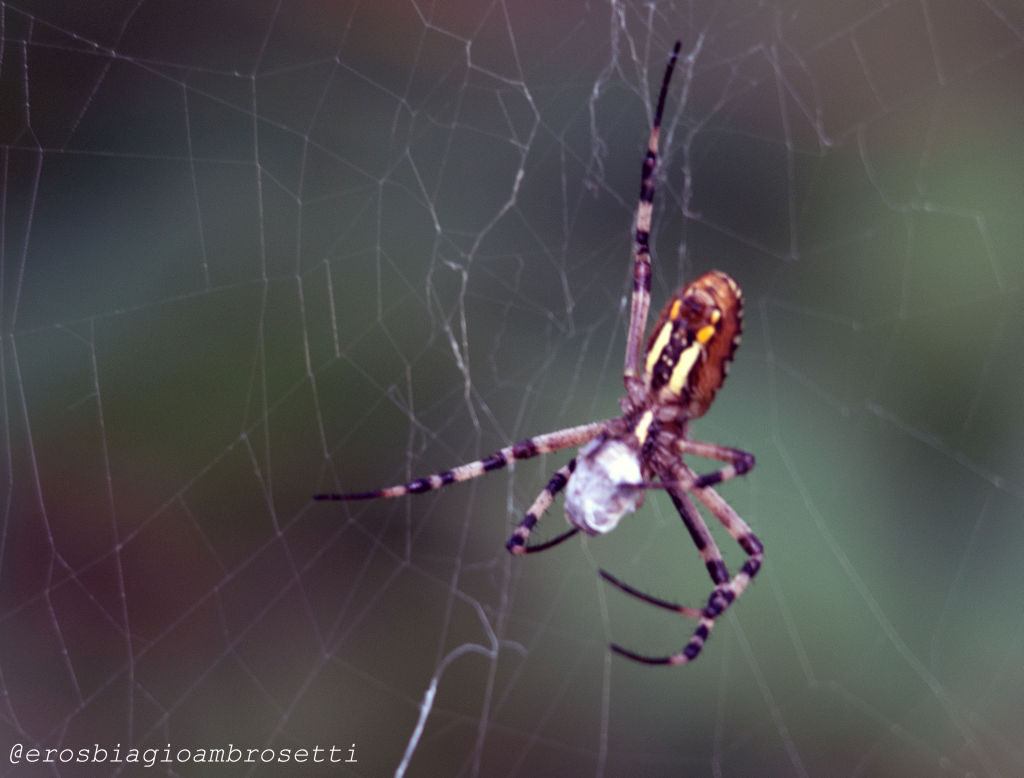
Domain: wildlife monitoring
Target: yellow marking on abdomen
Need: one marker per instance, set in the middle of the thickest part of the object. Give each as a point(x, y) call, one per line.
point(704, 333)
point(687, 359)
point(658, 346)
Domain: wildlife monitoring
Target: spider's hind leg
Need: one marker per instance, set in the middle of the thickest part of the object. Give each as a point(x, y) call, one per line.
point(726, 590)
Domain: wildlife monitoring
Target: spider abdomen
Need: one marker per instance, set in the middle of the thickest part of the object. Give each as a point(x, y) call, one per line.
point(693, 342)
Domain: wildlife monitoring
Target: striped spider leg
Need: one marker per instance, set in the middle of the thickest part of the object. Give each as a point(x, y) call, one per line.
point(684, 364)
point(531, 447)
point(726, 590)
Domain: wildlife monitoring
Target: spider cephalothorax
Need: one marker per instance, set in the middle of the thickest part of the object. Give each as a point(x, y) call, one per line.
point(684, 365)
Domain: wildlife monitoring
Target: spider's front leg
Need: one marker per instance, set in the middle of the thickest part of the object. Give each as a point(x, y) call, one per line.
point(641, 299)
point(531, 447)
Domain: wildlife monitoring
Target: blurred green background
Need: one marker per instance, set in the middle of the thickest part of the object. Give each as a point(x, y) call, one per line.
point(254, 252)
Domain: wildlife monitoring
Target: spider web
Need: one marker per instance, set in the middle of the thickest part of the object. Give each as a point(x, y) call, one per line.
point(252, 252)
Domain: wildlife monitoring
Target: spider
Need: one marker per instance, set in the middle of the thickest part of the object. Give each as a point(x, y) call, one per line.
point(685, 363)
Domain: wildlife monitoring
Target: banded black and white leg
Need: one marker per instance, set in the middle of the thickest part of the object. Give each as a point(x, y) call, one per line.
point(641, 298)
point(517, 542)
point(726, 590)
point(738, 462)
point(531, 447)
